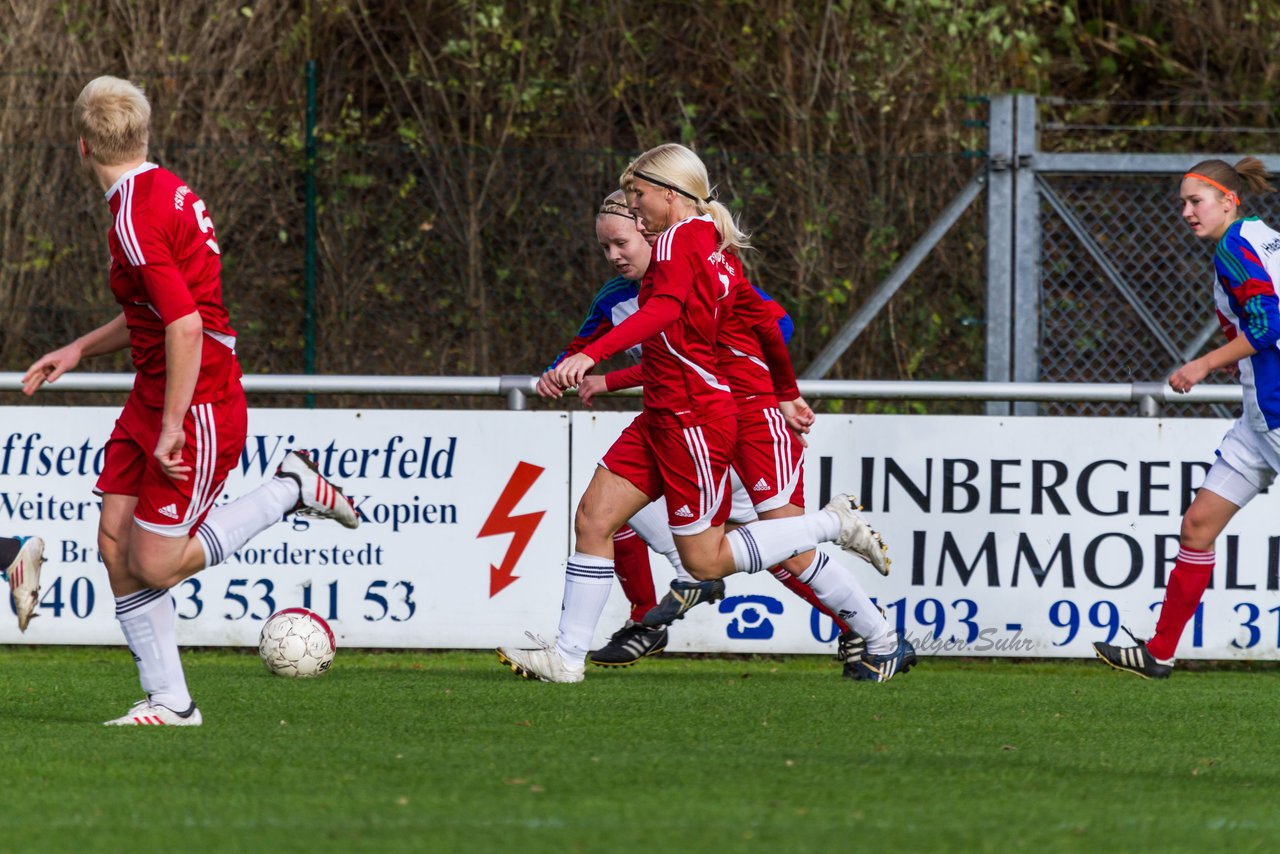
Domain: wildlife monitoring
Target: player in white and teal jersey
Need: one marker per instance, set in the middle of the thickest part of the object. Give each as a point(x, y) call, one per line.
point(1246, 268)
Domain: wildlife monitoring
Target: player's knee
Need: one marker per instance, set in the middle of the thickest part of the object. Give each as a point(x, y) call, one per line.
point(587, 526)
point(154, 574)
point(112, 550)
point(1199, 531)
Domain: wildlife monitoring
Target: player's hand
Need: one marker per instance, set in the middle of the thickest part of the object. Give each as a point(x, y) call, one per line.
point(1186, 377)
point(799, 417)
point(591, 385)
point(49, 367)
point(169, 453)
point(569, 373)
point(546, 386)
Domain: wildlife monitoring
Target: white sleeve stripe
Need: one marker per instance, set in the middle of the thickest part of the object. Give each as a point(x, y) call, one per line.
point(124, 227)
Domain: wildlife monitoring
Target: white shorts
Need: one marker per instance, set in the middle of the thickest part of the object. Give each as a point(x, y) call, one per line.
point(741, 510)
point(1247, 463)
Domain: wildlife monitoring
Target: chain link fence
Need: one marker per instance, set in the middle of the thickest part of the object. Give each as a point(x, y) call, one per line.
point(435, 259)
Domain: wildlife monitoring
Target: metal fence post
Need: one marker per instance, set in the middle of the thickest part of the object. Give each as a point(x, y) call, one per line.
point(1000, 243)
point(1025, 327)
point(309, 309)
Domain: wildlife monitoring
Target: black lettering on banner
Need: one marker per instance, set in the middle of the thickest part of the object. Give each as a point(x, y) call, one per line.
point(951, 483)
point(1040, 489)
point(999, 485)
point(1039, 571)
point(1147, 485)
point(1190, 475)
point(1233, 566)
point(986, 554)
point(1091, 560)
point(1273, 563)
point(824, 480)
point(895, 473)
point(868, 493)
point(1086, 478)
point(1167, 546)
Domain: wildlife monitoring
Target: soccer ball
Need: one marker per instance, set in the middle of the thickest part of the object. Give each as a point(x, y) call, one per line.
point(296, 642)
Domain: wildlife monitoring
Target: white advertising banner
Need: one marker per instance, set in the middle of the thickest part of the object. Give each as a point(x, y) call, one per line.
point(462, 541)
point(1010, 537)
point(1024, 537)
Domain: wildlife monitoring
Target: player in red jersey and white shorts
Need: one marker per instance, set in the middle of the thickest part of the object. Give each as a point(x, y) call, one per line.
point(682, 443)
point(184, 424)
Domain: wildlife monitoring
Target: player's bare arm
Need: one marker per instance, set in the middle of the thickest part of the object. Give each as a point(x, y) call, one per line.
point(1187, 376)
point(111, 337)
point(183, 339)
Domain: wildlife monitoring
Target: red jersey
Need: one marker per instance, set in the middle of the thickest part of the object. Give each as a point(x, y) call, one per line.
point(164, 266)
point(741, 357)
point(683, 385)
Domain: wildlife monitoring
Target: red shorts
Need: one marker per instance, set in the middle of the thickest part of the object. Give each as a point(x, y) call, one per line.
point(689, 466)
point(172, 508)
point(770, 460)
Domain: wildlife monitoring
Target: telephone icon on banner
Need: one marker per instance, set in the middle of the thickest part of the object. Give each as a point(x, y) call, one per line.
point(750, 620)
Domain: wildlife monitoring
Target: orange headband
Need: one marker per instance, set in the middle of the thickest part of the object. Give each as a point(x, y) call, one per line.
point(1230, 194)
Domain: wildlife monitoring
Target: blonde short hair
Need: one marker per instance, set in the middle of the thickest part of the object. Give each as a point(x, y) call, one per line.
point(114, 119)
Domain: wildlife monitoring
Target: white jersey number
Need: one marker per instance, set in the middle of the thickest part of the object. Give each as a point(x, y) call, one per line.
point(206, 226)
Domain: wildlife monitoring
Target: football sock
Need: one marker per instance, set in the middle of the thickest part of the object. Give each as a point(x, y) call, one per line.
point(228, 527)
point(587, 582)
point(631, 564)
point(652, 526)
point(771, 541)
point(149, 619)
point(806, 593)
point(1187, 583)
point(9, 548)
point(836, 586)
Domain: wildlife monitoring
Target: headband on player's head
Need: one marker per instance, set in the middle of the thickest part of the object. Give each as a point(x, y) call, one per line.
point(673, 188)
point(1230, 194)
point(617, 210)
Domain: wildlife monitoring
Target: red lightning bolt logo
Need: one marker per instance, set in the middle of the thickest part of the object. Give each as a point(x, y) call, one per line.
point(501, 521)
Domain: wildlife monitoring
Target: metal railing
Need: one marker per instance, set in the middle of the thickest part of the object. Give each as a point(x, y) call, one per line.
point(1149, 398)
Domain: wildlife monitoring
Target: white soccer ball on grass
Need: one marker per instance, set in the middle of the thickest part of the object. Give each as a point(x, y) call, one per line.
point(296, 642)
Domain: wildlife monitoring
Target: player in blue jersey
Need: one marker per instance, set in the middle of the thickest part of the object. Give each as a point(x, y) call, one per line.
point(1246, 266)
point(627, 249)
point(21, 558)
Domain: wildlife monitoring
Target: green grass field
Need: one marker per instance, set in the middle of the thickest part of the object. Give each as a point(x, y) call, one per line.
point(451, 752)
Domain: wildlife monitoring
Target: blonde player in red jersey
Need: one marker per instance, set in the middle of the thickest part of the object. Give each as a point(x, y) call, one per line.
point(682, 443)
point(184, 424)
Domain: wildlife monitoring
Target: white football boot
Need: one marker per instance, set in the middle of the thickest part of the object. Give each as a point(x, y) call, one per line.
point(24, 579)
point(318, 497)
point(543, 663)
point(147, 713)
point(857, 537)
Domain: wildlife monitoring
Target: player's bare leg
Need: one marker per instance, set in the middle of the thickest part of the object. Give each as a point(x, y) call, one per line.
point(607, 504)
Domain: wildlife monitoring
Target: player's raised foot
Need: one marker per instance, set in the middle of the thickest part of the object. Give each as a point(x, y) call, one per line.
point(24, 579)
point(682, 596)
point(543, 663)
point(881, 668)
point(1134, 659)
point(147, 713)
point(856, 536)
point(850, 647)
point(629, 644)
point(317, 496)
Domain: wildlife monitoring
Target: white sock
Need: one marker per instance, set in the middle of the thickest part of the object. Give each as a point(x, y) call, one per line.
point(771, 541)
point(228, 527)
point(587, 582)
point(650, 524)
point(840, 591)
point(149, 619)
